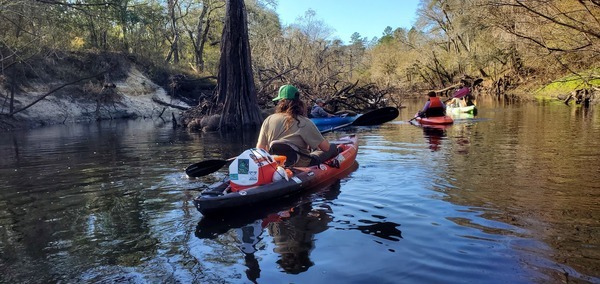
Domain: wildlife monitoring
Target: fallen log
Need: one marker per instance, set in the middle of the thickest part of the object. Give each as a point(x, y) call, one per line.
point(169, 105)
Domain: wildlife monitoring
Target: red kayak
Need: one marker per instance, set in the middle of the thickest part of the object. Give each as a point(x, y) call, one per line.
point(222, 197)
point(435, 120)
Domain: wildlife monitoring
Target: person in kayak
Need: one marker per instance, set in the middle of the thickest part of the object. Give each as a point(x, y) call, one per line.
point(462, 97)
point(317, 110)
point(469, 99)
point(457, 102)
point(289, 125)
point(433, 107)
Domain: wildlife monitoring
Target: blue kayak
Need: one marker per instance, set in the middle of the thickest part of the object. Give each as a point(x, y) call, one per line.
point(333, 121)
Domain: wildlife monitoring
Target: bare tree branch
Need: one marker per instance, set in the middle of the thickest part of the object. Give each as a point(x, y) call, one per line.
point(54, 90)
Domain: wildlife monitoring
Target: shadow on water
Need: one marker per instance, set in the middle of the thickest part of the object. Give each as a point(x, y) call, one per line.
point(385, 230)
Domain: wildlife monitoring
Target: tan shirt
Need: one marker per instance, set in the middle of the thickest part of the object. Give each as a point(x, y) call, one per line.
point(303, 134)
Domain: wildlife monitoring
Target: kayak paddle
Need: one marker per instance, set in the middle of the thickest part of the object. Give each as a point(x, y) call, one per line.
point(375, 117)
point(206, 167)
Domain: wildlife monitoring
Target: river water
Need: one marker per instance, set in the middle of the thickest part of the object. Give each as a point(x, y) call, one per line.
point(511, 195)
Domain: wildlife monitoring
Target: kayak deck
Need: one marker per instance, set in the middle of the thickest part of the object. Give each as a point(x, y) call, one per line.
point(334, 120)
point(435, 120)
point(467, 109)
point(219, 197)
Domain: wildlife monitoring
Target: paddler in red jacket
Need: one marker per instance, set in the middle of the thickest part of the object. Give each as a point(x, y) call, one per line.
point(433, 107)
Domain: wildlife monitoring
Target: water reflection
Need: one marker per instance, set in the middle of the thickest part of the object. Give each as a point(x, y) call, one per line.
point(434, 135)
point(385, 230)
point(462, 116)
point(291, 225)
point(293, 236)
point(516, 186)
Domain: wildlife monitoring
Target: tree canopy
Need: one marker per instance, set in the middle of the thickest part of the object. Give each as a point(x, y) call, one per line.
point(512, 40)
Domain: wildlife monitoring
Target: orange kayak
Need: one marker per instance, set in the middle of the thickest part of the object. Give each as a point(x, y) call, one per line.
point(219, 197)
point(435, 120)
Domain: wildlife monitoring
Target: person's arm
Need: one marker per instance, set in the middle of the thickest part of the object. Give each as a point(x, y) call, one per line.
point(425, 107)
point(313, 137)
point(262, 146)
point(327, 113)
point(262, 137)
point(323, 113)
point(324, 145)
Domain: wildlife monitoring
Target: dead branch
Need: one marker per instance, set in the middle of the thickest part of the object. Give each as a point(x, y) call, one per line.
point(447, 88)
point(55, 90)
point(346, 89)
point(169, 105)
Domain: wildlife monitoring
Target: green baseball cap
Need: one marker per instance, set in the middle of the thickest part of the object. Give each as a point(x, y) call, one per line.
point(287, 92)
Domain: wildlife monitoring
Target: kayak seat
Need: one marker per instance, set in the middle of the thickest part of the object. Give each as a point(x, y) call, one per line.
point(285, 149)
point(432, 112)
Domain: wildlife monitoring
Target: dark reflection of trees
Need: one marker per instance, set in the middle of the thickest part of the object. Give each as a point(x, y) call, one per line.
point(526, 171)
point(71, 201)
point(73, 197)
point(292, 224)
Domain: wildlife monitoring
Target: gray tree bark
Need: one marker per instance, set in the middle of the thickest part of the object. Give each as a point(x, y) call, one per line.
point(236, 92)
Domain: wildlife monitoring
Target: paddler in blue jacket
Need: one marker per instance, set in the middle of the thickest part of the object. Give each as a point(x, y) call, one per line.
point(317, 110)
point(433, 107)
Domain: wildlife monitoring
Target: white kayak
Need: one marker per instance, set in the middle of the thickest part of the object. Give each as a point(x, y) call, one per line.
point(467, 109)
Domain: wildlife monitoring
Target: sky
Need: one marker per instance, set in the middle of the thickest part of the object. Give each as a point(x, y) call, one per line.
point(367, 17)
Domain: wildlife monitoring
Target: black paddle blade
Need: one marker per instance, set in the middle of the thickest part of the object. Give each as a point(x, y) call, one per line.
point(205, 167)
point(376, 117)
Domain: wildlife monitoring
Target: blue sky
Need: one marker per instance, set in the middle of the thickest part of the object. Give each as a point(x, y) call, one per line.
point(368, 18)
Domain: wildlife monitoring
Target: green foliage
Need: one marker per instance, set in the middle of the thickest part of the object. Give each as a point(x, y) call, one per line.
point(451, 38)
point(569, 84)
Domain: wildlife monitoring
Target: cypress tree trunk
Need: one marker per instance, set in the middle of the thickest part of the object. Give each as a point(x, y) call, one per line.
point(236, 101)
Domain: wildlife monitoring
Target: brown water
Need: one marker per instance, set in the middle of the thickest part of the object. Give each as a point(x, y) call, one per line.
point(508, 196)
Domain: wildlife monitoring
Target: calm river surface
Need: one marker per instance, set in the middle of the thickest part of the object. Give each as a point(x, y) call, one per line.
point(511, 195)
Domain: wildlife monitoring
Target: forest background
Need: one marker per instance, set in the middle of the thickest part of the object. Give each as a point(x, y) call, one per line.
point(540, 49)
